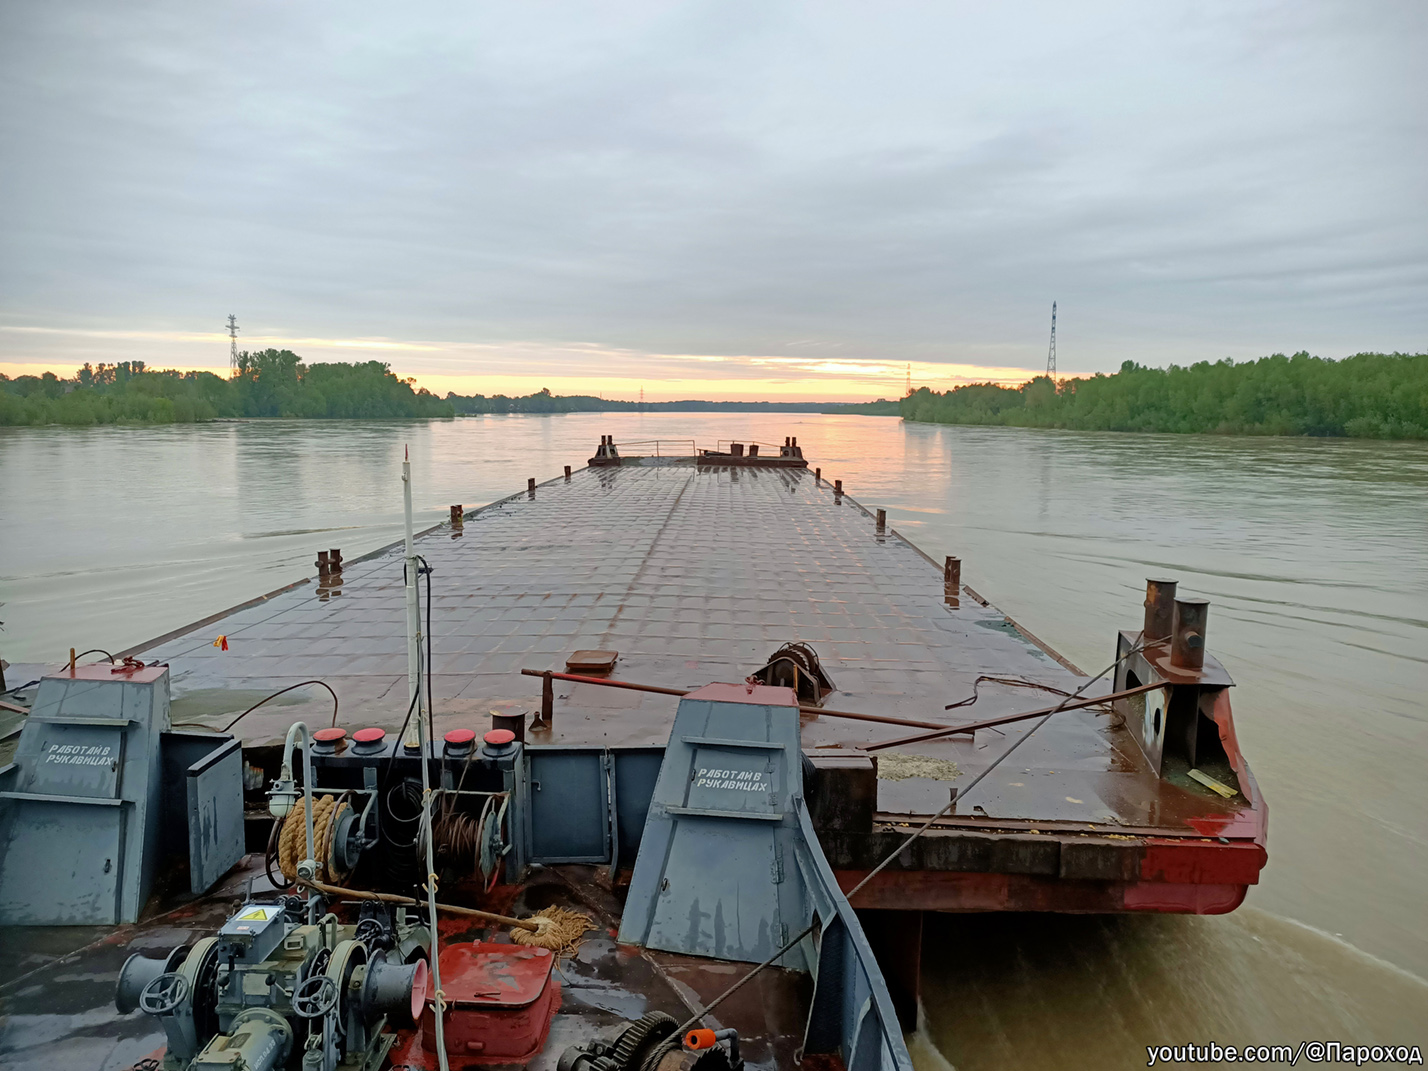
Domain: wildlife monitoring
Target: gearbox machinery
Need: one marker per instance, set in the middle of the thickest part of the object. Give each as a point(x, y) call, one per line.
point(654, 1043)
point(280, 987)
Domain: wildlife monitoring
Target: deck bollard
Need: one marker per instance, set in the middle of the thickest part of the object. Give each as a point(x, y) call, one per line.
point(882, 521)
point(1187, 640)
point(530, 487)
point(567, 472)
point(1159, 610)
point(458, 516)
point(817, 475)
point(334, 560)
point(837, 488)
point(952, 581)
point(324, 565)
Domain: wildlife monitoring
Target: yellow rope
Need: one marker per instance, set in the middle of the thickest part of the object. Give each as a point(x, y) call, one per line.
point(292, 841)
point(560, 930)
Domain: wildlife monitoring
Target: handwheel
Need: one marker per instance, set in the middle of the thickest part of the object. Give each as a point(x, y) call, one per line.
point(314, 998)
point(163, 994)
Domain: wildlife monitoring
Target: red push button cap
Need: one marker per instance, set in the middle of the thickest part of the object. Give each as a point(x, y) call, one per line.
point(460, 736)
point(499, 737)
point(329, 736)
point(369, 736)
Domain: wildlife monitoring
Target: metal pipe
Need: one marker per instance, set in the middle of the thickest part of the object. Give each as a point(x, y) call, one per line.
point(634, 687)
point(1007, 719)
point(413, 609)
point(308, 867)
point(1159, 609)
point(1187, 640)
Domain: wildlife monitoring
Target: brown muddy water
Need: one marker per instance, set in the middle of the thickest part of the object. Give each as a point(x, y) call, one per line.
point(1313, 553)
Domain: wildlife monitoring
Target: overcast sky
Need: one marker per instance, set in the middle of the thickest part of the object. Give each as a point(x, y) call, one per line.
point(721, 199)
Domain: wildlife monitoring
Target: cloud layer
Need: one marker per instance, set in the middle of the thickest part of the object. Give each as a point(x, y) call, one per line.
point(584, 191)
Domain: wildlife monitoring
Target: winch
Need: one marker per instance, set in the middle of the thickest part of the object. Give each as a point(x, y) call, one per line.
point(281, 986)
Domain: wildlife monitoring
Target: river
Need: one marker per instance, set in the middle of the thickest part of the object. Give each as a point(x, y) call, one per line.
point(1314, 554)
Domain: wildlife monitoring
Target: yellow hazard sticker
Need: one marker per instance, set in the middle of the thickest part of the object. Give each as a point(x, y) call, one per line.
point(258, 914)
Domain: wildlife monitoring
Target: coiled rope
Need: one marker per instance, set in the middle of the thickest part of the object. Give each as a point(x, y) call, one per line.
point(292, 841)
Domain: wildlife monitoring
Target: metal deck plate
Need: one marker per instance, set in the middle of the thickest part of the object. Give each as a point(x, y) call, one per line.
point(692, 575)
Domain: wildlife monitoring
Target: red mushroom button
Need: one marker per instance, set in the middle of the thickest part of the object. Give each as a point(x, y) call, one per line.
point(499, 737)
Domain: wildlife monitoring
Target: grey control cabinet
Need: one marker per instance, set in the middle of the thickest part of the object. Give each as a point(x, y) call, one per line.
point(82, 807)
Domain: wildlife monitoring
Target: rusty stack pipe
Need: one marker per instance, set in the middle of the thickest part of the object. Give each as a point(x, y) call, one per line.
point(458, 516)
point(1159, 609)
point(1187, 640)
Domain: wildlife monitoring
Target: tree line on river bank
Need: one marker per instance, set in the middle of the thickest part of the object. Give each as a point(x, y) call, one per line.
point(1369, 395)
point(276, 383)
point(270, 383)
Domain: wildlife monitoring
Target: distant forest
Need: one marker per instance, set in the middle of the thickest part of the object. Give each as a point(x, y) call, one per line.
point(276, 383)
point(271, 383)
point(543, 401)
point(1369, 395)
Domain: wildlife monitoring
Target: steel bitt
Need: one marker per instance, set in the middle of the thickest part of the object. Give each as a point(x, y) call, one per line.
point(1187, 642)
point(1159, 609)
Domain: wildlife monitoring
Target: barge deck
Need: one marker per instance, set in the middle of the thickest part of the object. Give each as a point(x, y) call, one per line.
point(695, 574)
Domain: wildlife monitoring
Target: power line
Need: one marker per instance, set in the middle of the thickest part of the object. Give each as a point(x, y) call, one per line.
point(1051, 353)
point(232, 341)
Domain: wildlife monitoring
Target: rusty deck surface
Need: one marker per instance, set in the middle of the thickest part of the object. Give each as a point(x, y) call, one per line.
point(693, 575)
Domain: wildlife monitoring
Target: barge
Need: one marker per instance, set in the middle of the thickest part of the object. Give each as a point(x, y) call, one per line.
point(705, 701)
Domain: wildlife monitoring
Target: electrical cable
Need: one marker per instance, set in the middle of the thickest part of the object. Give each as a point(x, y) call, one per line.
point(289, 688)
point(94, 650)
point(699, 1015)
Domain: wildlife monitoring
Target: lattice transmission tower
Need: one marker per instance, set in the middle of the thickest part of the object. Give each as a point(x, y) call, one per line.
point(1051, 353)
point(232, 341)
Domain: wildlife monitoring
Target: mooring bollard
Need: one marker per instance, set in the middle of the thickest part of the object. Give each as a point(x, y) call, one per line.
point(837, 488)
point(1187, 640)
point(334, 560)
point(530, 487)
point(882, 521)
point(567, 472)
point(324, 566)
point(458, 516)
point(817, 475)
point(1159, 610)
point(952, 581)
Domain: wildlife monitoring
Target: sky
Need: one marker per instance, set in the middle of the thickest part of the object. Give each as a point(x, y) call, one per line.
point(716, 200)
